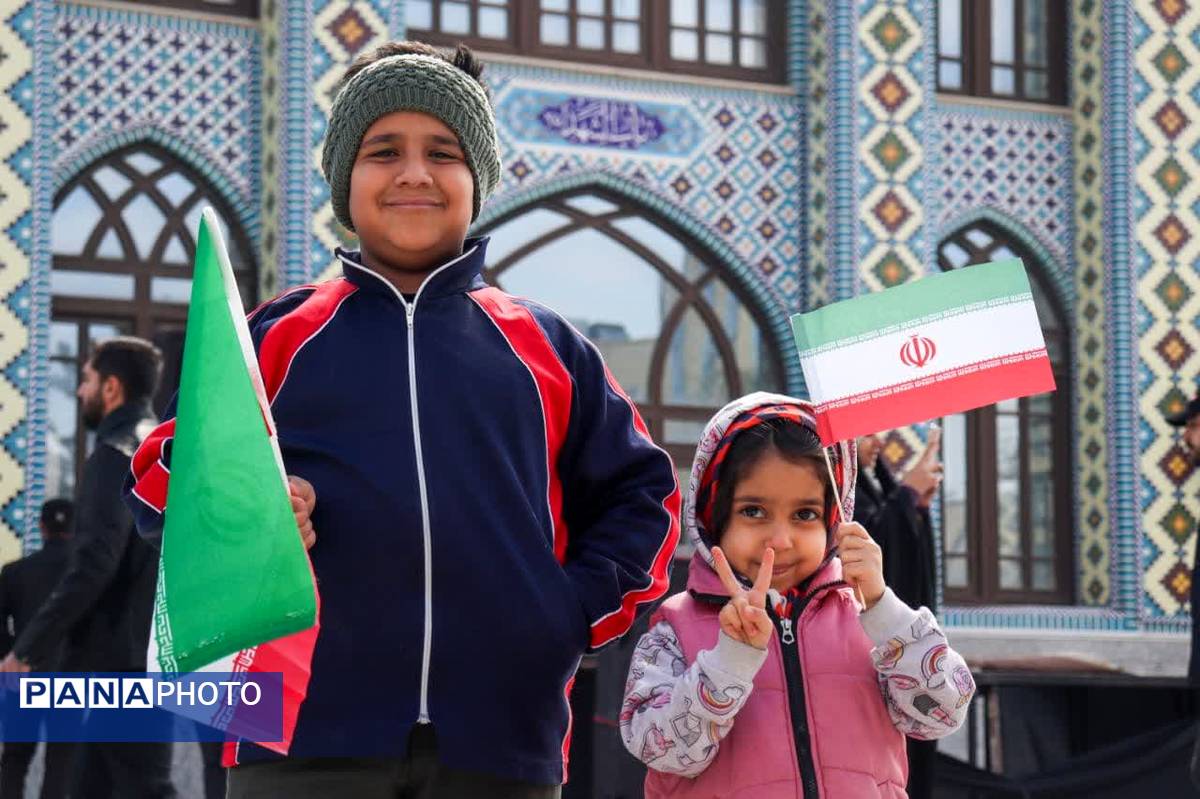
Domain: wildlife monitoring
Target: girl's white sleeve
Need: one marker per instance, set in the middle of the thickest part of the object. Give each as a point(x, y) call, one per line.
point(926, 685)
point(674, 714)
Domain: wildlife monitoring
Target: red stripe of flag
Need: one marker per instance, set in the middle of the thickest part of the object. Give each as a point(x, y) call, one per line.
point(938, 398)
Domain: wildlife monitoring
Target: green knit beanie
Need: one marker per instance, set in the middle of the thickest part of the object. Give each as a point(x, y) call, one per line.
point(410, 82)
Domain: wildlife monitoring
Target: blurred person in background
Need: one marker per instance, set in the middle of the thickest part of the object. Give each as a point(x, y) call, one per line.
point(897, 514)
point(1189, 420)
point(99, 611)
point(24, 586)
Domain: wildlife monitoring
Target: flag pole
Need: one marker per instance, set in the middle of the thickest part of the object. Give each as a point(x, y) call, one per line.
point(837, 498)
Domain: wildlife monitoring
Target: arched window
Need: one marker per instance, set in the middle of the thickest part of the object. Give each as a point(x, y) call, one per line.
point(677, 335)
point(1006, 500)
point(122, 240)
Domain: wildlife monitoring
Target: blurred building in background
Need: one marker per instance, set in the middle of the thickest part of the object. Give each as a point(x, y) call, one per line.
point(679, 177)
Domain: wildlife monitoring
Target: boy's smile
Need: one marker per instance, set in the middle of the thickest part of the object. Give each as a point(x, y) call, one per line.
point(411, 195)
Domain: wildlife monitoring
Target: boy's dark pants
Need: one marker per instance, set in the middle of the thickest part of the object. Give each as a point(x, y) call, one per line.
point(418, 776)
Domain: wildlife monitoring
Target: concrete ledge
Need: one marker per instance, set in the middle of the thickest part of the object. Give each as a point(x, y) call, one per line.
point(1140, 654)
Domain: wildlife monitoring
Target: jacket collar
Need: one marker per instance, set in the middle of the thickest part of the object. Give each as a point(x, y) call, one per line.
point(125, 417)
point(453, 277)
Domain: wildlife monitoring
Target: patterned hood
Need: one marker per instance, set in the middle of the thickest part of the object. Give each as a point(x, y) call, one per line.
point(845, 465)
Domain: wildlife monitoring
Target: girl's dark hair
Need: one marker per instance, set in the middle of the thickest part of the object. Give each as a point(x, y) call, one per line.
point(793, 442)
point(461, 57)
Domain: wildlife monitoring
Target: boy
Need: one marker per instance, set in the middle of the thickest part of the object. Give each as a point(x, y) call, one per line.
point(485, 500)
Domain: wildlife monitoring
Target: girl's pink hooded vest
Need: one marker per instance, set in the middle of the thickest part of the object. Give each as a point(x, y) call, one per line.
point(854, 749)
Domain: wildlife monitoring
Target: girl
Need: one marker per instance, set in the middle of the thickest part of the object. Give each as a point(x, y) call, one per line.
point(767, 678)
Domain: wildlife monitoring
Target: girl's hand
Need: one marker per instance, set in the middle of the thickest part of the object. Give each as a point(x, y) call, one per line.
point(862, 561)
point(304, 499)
point(744, 617)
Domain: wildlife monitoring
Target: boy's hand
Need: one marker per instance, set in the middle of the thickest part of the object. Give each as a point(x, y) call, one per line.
point(862, 561)
point(11, 665)
point(304, 499)
point(744, 617)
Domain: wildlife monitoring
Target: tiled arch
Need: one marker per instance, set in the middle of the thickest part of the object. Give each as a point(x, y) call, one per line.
point(702, 235)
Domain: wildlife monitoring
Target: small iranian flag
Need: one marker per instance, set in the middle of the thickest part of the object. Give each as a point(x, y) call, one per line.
point(236, 590)
point(941, 345)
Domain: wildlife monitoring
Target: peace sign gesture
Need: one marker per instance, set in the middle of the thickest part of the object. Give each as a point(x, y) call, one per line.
point(744, 617)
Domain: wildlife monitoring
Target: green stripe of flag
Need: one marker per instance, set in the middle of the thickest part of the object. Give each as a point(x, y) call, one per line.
point(939, 293)
point(233, 572)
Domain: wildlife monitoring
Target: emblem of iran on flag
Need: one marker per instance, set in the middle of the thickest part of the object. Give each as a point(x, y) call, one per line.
point(945, 344)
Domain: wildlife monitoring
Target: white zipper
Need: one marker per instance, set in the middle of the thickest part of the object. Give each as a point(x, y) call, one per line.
point(788, 636)
point(410, 311)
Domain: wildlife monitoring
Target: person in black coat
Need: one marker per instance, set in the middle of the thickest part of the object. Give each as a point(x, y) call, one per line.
point(896, 513)
point(1189, 420)
point(99, 611)
point(24, 586)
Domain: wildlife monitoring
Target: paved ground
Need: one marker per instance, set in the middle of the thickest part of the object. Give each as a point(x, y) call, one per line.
point(187, 772)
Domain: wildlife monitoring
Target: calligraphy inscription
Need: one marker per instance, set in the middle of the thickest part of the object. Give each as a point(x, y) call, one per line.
point(605, 123)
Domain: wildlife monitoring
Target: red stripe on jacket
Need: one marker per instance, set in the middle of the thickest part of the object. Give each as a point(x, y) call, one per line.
point(279, 347)
point(150, 473)
point(553, 382)
point(292, 331)
point(617, 623)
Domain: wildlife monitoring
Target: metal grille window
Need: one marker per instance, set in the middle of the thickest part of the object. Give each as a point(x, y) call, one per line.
point(675, 332)
point(1004, 48)
point(122, 239)
point(1006, 502)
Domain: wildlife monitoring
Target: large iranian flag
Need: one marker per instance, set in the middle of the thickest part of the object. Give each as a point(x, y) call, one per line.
point(944, 344)
point(236, 590)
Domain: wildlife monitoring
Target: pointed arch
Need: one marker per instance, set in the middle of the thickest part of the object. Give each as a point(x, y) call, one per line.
point(240, 205)
point(122, 245)
point(1008, 519)
point(763, 303)
point(1055, 271)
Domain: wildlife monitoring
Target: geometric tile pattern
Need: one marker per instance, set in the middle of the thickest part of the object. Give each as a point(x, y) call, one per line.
point(890, 153)
point(819, 291)
point(105, 78)
point(734, 167)
point(1167, 175)
point(1122, 261)
point(1093, 557)
point(1020, 167)
point(16, 253)
point(842, 164)
point(270, 270)
point(118, 72)
point(295, 63)
point(340, 31)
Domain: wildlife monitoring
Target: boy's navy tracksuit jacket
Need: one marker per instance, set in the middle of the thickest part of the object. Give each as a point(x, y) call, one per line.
point(482, 434)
